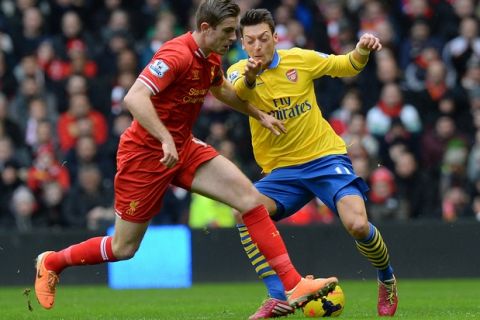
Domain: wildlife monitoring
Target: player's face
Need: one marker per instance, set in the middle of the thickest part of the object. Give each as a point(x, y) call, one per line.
point(259, 42)
point(219, 39)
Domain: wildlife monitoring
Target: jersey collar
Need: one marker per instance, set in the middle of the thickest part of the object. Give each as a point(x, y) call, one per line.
point(274, 63)
point(194, 47)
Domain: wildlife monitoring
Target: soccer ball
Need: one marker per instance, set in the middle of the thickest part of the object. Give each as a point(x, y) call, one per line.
point(330, 306)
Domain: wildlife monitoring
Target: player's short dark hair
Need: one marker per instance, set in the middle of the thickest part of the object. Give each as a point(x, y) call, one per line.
point(215, 11)
point(257, 16)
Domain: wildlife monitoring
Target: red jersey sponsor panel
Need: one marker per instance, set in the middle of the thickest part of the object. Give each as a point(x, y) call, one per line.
point(179, 76)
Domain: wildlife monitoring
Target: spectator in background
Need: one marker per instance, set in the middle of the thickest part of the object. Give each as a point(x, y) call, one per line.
point(337, 24)
point(357, 133)
point(454, 168)
point(455, 204)
point(123, 82)
point(118, 21)
point(37, 112)
point(419, 38)
point(384, 203)
point(30, 90)
point(78, 60)
point(29, 68)
point(127, 61)
point(10, 128)
point(466, 45)
point(108, 58)
point(32, 33)
point(8, 152)
point(24, 208)
point(435, 89)
point(44, 138)
point(8, 83)
point(79, 119)
point(46, 168)
point(372, 14)
point(86, 152)
point(416, 70)
point(163, 31)
point(72, 31)
point(52, 204)
point(349, 105)
point(392, 106)
point(435, 141)
point(120, 123)
point(473, 162)
point(9, 182)
point(415, 187)
point(89, 202)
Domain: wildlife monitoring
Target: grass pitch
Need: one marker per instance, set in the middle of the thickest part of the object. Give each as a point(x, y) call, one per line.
point(432, 299)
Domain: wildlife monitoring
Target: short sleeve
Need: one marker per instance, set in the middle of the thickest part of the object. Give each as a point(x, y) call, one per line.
point(166, 65)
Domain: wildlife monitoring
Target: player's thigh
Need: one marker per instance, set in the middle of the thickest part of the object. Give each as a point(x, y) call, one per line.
point(221, 180)
point(284, 193)
point(127, 237)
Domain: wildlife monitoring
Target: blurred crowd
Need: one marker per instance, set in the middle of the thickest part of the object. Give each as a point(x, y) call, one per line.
point(411, 119)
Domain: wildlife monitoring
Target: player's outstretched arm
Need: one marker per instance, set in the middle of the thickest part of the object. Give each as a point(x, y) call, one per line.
point(139, 104)
point(226, 93)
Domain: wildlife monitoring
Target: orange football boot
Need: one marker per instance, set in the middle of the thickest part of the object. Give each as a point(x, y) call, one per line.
point(309, 289)
point(45, 282)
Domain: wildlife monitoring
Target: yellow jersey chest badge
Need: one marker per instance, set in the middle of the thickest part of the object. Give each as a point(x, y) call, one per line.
point(292, 75)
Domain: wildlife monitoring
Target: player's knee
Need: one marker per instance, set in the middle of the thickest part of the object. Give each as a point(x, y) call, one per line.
point(358, 228)
point(125, 252)
point(249, 200)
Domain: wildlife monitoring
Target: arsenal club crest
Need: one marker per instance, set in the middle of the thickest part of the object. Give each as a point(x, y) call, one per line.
point(292, 75)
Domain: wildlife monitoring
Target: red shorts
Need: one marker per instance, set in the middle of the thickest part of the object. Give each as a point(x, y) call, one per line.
point(142, 180)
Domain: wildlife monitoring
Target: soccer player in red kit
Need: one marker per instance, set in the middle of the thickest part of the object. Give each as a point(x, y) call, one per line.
point(159, 149)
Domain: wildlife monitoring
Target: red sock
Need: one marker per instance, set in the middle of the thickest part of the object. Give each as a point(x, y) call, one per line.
point(92, 251)
point(268, 239)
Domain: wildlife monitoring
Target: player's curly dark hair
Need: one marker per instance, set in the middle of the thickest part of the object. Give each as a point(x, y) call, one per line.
point(214, 12)
point(257, 16)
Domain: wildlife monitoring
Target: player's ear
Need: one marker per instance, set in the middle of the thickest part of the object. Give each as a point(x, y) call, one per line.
point(275, 37)
point(241, 41)
point(204, 27)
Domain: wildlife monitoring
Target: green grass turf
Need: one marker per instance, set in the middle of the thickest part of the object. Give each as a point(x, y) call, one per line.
point(433, 299)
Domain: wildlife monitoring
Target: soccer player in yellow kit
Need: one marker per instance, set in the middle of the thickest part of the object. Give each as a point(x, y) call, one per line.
point(310, 160)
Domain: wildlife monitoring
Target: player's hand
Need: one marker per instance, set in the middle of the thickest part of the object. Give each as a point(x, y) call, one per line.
point(170, 155)
point(368, 42)
point(252, 68)
point(273, 124)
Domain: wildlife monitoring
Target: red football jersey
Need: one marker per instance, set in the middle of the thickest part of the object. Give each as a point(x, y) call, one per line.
point(179, 76)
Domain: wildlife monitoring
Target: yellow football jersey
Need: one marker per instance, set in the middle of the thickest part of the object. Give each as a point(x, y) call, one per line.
point(286, 90)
